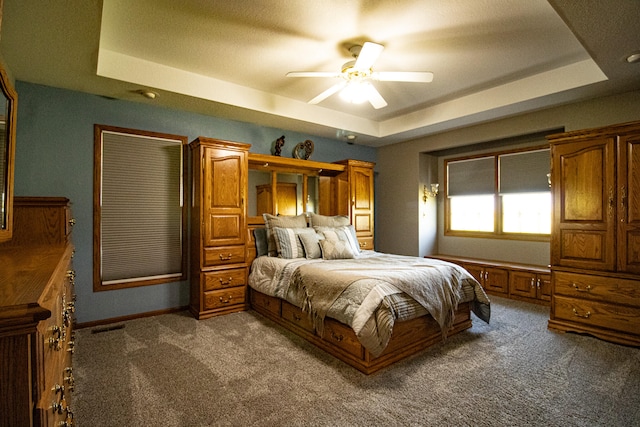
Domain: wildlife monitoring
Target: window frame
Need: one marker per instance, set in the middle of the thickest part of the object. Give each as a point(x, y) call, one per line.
point(498, 210)
point(98, 284)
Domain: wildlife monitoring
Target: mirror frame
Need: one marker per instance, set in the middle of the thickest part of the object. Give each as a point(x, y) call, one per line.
point(12, 101)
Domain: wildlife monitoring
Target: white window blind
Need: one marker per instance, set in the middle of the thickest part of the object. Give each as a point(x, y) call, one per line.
point(141, 205)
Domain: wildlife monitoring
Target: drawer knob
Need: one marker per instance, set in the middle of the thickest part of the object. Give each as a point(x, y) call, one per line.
point(226, 301)
point(584, 316)
point(579, 289)
point(226, 258)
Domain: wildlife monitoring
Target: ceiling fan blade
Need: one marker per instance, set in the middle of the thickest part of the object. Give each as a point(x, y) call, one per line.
point(368, 55)
point(312, 74)
point(376, 100)
point(327, 93)
point(403, 76)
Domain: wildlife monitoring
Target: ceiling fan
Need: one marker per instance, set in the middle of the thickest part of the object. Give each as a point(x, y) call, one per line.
point(357, 77)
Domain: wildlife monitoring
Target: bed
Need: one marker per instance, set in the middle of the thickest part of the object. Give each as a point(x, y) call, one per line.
point(368, 309)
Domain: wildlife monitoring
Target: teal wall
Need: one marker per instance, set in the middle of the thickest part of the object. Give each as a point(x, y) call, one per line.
point(54, 157)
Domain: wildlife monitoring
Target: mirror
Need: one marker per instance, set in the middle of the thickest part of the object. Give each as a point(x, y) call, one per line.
point(7, 149)
point(290, 193)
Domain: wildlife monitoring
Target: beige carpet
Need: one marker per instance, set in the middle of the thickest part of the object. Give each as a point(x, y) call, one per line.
point(242, 370)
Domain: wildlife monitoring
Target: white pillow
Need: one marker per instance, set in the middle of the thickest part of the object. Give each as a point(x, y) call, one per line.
point(346, 233)
point(327, 221)
point(311, 244)
point(336, 249)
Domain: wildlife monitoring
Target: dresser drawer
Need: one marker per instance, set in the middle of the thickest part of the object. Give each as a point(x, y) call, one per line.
point(605, 289)
point(224, 255)
point(224, 298)
point(365, 243)
point(597, 314)
point(342, 337)
point(223, 279)
point(263, 302)
point(294, 315)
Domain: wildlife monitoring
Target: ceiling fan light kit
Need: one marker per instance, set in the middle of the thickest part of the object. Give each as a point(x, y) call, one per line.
point(357, 76)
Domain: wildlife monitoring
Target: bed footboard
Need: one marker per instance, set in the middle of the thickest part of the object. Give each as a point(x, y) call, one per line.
point(409, 337)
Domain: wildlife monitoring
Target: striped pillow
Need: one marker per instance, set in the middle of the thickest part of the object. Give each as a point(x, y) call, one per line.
point(284, 221)
point(287, 243)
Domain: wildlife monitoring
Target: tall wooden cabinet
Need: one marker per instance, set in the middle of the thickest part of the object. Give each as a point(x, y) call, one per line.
point(218, 227)
point(36, 315)
point(595, 239)
point(354, 198)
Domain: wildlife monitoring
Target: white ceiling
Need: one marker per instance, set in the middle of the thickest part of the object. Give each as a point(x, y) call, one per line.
point(490, 58)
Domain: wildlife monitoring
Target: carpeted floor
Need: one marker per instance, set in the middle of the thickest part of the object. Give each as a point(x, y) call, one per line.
point(243, 370)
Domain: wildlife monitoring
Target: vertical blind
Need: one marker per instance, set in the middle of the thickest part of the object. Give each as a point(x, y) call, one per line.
point(141, 205)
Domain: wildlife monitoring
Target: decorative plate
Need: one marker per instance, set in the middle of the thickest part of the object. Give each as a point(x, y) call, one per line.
point(303, 150)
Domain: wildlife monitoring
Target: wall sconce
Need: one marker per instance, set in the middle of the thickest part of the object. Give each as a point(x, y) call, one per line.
point(433, 193)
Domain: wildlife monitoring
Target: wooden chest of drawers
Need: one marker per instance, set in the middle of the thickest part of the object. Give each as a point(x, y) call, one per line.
point(36, 335)
point(36, 315)
point(604, 306)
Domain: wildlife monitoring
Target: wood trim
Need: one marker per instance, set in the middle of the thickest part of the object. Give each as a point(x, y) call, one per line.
point(113, 320)
point(98, 286)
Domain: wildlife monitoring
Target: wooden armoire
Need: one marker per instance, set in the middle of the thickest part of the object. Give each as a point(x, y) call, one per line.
point(595, 238)
point(218, 227)
point(354, 195)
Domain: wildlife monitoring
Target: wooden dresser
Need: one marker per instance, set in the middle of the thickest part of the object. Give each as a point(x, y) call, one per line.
point(218, 227)
point(525, 282)
point(36, 316)
point(595, 237)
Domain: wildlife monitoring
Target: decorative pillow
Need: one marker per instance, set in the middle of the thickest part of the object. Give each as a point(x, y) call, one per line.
point(336, 249)
point(262, 248)
point(345, 233)
point(287, 242)
point(283, 221)
point(327, 221)
point(311, 244)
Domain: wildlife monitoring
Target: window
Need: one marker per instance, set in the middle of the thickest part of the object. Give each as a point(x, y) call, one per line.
point(503, 194)
point(139, 210)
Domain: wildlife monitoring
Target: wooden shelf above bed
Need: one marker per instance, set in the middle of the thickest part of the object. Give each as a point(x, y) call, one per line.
point(289, 165)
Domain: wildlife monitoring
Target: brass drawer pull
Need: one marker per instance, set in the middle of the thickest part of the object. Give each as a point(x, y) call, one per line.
point(226, 301)
point(584, 316)
point(226, 282)
point(338, 338)
point(579, 289)
point(297, 317)
point(226, 258)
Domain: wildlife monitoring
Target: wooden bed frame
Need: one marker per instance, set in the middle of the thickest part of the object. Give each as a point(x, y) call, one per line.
point(408, 338)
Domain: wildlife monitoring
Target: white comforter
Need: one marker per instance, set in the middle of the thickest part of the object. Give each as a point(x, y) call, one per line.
point(395, 288)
